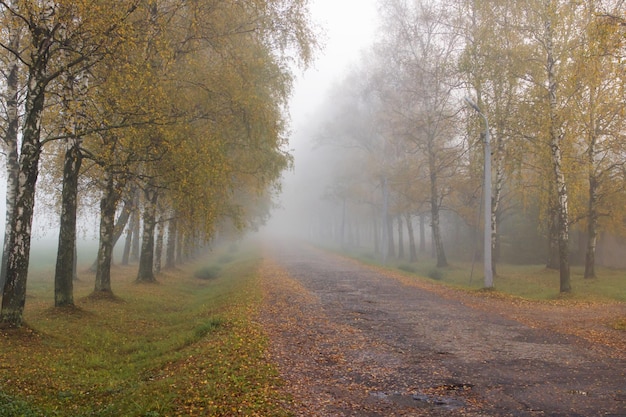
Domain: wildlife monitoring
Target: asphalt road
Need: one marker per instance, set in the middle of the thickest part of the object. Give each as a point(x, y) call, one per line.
point(351, 341)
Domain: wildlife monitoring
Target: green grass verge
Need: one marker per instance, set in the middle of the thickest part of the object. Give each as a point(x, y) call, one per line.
point(527, 281)
point(182, 347)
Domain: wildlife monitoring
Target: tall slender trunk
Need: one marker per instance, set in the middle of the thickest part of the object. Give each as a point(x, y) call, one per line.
point(180, 239)
point(170, 251)
point(592, 231)
point(434, 212)
point(146, 256)
point(133, 228)
point(412, 247)
point(422, 218)
point(556, 140)
point(10, 144)
point(385, 221)
point(14, 294)
point(495, 202)
point(391, 246)
point(120, 225)
point(400, 238)
point(592, 208)
point(375, 230)
point(108, 205)
point(134, 247)
point(553, 240)
point(158, 250)
point(66, 250)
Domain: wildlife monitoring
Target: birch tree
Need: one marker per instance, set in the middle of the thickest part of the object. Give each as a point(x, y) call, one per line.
point(53, 45)
point(423, 51)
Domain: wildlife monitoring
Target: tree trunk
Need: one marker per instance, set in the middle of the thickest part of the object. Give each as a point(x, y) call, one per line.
point(10, 143)
point(391, 246)
point(134, 247)
point(180, 239)
point(158, 250)
point(66, 250)
point(592, 210)
point(108, 205)
point(131, 232)
point(553, 241)
point(556, 140)
point(592, 229)
point(400, 238)
point(14, 295)
point(146, 256)
point(422, 233)
point(434, 214)
point(170, 251)
point(495, 202)
point(75, 264)
point(120, 224)
point(412, 248)
point(375, 231)
point(385, 222)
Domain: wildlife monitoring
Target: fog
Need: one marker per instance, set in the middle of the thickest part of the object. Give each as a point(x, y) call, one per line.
point(357, 157)
point(347, 29)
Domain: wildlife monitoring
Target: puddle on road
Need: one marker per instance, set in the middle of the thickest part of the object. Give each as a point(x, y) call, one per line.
point(420, 400)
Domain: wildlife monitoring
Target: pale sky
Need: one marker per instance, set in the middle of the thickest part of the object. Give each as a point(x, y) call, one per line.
point(349, 27)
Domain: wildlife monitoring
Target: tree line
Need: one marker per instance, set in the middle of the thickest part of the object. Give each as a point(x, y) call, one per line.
point(548, 75)
point(175, 109)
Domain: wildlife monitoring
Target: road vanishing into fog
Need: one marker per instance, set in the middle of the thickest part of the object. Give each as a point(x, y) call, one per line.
point(352, 341)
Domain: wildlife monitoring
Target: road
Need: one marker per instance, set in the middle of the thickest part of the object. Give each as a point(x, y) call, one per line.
point(350, 340)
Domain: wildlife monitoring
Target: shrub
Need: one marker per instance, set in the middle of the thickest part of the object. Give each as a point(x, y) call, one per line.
point(207, 272)
point(436, 274)
point(407, 268)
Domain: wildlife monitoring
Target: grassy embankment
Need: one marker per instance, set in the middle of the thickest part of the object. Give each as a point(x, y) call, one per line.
point(184, 346)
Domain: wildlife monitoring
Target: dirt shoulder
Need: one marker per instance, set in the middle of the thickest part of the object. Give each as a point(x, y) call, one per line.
point(351, 340)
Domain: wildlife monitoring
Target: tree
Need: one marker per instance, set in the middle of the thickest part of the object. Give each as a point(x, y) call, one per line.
point(55, 43)
point(422, 50)
point(598, 117)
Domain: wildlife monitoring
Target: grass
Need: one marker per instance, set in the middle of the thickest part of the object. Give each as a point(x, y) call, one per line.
point(527, 281)
point(181, 347)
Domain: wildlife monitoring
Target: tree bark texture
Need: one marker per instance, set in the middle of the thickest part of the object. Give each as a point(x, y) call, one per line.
point(400, 238)
point(108, 206)
point(170, 251)
point(10, 145)
point(134, 247)
point(434, 213)
point(556, 140)
point(495, 201)
point(391, 246)
point(64, 272)
point(146, 256)
point(411, 232)
point(158, 250)
point(594, 197)
point(180, 239)
point(120, 225)
point(14, 294)
point(132, 231)
point(592, 229)
point(422, 218)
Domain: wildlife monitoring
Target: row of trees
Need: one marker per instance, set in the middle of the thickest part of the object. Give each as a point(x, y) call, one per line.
point(550, 77)
point(173, 107)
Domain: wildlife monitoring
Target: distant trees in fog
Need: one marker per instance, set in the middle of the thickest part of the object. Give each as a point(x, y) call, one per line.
point(550, 77)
